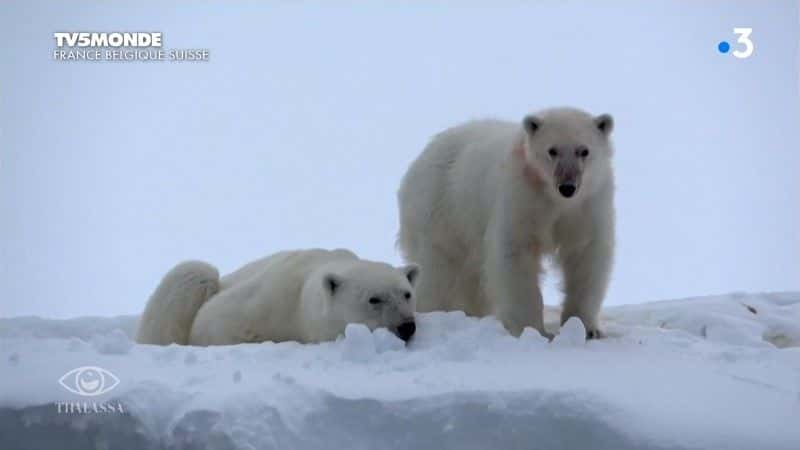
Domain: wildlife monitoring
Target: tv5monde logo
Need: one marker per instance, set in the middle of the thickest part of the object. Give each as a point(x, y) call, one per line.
point(120, 47)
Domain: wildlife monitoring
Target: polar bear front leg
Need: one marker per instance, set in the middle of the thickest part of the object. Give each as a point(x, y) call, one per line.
point(586, 272)
point(512, 284)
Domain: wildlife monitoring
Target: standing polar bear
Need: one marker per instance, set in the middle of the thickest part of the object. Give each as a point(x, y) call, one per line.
point(304, 296)
point(485, 201)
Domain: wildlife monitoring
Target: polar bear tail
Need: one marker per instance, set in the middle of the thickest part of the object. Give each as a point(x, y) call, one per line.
point(171, 310)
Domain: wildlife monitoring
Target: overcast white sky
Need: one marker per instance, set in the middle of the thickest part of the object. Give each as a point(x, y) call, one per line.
point(298, 130)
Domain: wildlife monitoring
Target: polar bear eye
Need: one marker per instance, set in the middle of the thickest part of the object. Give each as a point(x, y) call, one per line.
point(583, 152)
point(552, 152)
point(407, 295)
point(374, 301)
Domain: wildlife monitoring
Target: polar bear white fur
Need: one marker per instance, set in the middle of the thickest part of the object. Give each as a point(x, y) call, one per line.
point(304, 296)
point(485, 201)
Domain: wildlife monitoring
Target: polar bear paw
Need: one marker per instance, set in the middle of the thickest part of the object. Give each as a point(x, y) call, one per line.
point(594, 333)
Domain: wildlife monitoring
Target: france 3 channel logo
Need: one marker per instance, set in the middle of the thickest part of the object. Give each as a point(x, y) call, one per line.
point(746, 46)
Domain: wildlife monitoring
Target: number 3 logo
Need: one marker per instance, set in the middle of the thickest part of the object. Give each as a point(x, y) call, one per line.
point(744, 38)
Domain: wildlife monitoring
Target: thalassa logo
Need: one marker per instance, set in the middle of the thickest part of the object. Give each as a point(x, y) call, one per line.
point(89, 381)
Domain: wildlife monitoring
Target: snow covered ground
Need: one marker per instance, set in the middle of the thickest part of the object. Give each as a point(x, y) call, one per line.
point(711, 373)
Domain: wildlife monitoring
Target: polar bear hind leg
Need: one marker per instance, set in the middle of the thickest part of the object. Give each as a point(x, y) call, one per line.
point(171, 310)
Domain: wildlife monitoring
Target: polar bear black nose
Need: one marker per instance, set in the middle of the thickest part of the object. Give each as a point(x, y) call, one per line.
point(406, 330)
point(567, 190)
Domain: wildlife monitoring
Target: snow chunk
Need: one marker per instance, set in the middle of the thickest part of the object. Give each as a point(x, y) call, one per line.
point(361, 345)
point(114, 343)
point(386, 341)
point(572, 334)
point(532, 338)
point(358, 344)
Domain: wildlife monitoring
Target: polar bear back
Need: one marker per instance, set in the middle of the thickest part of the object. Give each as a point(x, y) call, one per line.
point(451, 188)
point(293, 265)
point(264, 294)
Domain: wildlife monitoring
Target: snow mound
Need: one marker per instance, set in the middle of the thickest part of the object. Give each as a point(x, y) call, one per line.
point(572, 333)
point(710, 372)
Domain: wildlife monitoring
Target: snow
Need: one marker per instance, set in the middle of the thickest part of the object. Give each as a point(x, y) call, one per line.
point(708, 372)
point(572, 333)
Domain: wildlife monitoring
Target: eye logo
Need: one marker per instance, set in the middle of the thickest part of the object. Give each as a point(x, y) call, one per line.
point(89, 381)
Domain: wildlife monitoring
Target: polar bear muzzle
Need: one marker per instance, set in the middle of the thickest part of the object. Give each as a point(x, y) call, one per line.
point(567, 189)
point(406, 330)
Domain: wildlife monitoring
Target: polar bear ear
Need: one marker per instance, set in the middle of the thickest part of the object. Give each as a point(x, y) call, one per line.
point(604, 123)
point(411, 271)
point(531, 123)
point(331, 283)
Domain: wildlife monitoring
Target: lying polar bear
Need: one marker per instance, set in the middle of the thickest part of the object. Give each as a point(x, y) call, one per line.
point(303, 295)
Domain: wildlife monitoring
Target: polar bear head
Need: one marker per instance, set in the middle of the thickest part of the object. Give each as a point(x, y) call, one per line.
point(375, 294)
point(567, 151)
